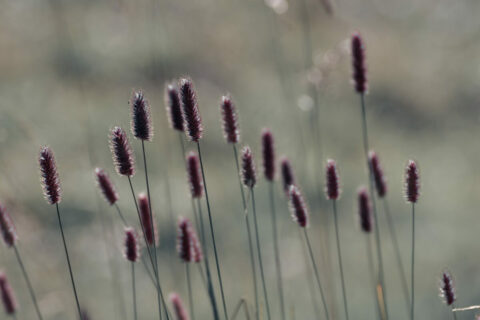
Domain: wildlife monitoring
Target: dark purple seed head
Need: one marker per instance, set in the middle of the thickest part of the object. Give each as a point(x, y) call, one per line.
point(149, 228)
point(180, 311)
point(49, 176)
point(6, 293)
point(297, 206)
point(268, 152)
point(106, 186)
point(332, 187)
point(378, 176)
point(364, 210)
point(447, 288)
point(122, 152)
point(191, 114)
point(288, 178)
point(174, 110)
point(229, 120)
point(359, 75)
point(195, 179)
point(141, 124)
point(412, 183)
point(249, 176)
point(7, 229)
point(184, 240)
point(131, 245)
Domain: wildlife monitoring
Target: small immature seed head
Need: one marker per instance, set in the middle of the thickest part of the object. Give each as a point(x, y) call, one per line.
point(249, 176)
point(195, 179)
point(180, 311)
point(268, 152)
point(6, 293)
point(174, 110)
point(49, 176)
point(364, 210)
point(106, 186)
point(288, 178)
point(297, 206)
point(412, 183)
point(447, 288)
point(122, 152)
point(358, 64)
point(141, 122)
point(149, 228)
point(7, 229)
point(332, 188)
point(131, 245)
point(378, 176)
point(184, 240)
point(191, 114)
point(231, 131)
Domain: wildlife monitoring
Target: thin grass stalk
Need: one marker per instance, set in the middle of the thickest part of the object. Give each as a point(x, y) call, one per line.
point(398, 256)
point(68, 261)
point(202, 275)
point(342, 277)
point(134, 293)
point(259, 252)
point(212, 232)
point(27, 280)
point(249, 234)
point(153, 226)
point(189, 285)
point(276, 250)
point(211, 293)
point(381, 275)
point(371, 269)
point(412, 312)
point(453, 313)
point(317, 276)
point(120, 215)
point(241, 303)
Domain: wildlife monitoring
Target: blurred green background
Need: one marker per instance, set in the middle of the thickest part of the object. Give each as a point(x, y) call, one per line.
point(68, 69)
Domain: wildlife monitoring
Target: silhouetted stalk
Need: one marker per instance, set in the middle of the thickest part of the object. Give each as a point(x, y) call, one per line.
point(153, 226)
point(259, 252)
point(317, 276)
point(210, 220)
point(211, 293)
point(144, 262)
point(398, 255)
point(189, 285)
point(27, 280)
point(276, 250)
point(68, 261)
point(381, 275)
point(202, 275)
point(134, 292)
point(412, 316)
point(241, 303)
point(121, 215)
point(342, 277)
point(249, 234)
point(371, 269)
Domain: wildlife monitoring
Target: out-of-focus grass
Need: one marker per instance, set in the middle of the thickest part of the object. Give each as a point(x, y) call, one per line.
point(68, 69)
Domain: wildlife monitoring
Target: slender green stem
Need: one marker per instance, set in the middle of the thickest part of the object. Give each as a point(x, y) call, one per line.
point(211, 293)
point(189, 285)
point(249, 235)
point(371, 269)
point(202, 275)
point(381, 275)
point(27, 280)
point(276, 250)
point(212, 232)
point(68, 261)
point(317, 276)
point(134, 293)
point(398, 255)
point(342, 277)
point(241, 303)
point(412, 312)
point(152, 224)
point(121, 215)
point(259, 252)
point(149, 273)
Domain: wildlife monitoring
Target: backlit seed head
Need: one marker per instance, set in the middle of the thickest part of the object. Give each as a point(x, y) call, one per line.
point(364, 210)
point(297, 206)
point(447, 288)
point(174, 110)
point(332, 185)
point(195, 179)
point(106, 186)
point(180, 311)
point(122, 153)
point(7, 229)
point(49, 176)
point(231, 131)
point(191, 114)
point(141, 123)
point(268, 152)
point(149, 228)
point(359, 67)
point(412, 182)
point(249, 176)
point(6, 293)
point(184, 240)
point(378, 176)
point(131, 245)
point(288, 178)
